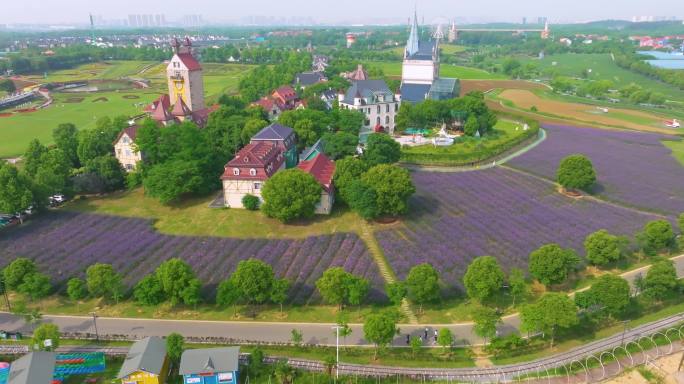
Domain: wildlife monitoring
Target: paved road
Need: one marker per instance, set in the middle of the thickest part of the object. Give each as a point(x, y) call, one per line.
point(314, 333)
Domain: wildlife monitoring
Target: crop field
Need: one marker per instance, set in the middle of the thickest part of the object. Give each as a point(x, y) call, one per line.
point(456, 217)
point(393, 69)
point(616, 117)
point(632, 168)
point(63, 244)
point(602, 68)
point(19, 129)
point(487, 85)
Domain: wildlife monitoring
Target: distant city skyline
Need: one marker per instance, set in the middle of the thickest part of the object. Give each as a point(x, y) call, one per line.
point(76, 12)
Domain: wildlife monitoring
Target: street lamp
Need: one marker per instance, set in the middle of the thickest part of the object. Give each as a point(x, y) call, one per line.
point(624, 331)
point(337, 350)
point(97, 335)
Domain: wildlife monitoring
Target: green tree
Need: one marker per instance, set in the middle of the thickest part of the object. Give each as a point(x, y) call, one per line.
point(347, 171)
point(54, 171)
point(445, 338)
point(680, 223)
point(340, 144)
point(381, 149)
point(396, 292)
point(551, 264)
point(17, 270)
point(306, 133)
point(470, 128)
point(171, 180)
point(251, 128)
point(517, 284)
point(483, 278)
point(35, 285)
point(657, 236)
point(296, 337)
point(76, 289)
point(334, 284)
point(109, 170)
point(228, 294)
point(393, 187)
point(103, 281)
point(175, 345)
point(660, 280)
point(44, 333)
point(416, 344)
point(486, 320)
point(610, 293)
point(279, 292)
point(602, 248)
point(357, 291)
point(16, 193)
point(576, 172)
point(290, 195)
point(175, 276)
point(254, 279)
point(362, 198)
point(379, 329)
point(32, 156)
point(422, 284)
point(149, 291)
point(66, 139)
point(349, 121)
point(552, 311)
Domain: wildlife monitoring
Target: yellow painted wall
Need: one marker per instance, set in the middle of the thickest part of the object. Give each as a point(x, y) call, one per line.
point(141, 377)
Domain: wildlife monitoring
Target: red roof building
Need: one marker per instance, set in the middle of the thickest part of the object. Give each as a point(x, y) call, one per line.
point(286, 95)
point(322, 169)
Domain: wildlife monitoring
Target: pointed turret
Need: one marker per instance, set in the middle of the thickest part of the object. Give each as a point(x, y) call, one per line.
point(412, 43)
point(180, 109)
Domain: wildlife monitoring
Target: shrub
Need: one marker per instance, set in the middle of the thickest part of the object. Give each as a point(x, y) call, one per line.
point(250, 202)
point(576, 172)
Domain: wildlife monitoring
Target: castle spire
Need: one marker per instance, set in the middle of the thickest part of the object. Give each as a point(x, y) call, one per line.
point(412, 44)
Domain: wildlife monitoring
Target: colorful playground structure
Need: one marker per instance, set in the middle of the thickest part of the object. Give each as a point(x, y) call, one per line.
point(67, 364)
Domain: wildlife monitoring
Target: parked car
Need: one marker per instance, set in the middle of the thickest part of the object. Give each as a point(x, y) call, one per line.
point(56, 200)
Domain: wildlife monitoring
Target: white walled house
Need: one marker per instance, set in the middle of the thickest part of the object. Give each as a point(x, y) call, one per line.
point(124, 149)
point(248, 170)
point(376, 101)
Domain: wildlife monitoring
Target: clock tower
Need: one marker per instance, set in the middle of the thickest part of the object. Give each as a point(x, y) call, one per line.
point(184, 76)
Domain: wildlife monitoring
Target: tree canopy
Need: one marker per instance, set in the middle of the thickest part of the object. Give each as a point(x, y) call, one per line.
point(609, 294)
point(392, 186)
point(551, 264)
point(381, 149)
point(103, 281)
point(177, 281)
point(422, 284)
point(553, 310)
point(483, 278)
point(380, 329)
point(657, 236)
point(576, 172)
point(660, 280)
point(602, 248)
point(290, 194)
point(339, 287)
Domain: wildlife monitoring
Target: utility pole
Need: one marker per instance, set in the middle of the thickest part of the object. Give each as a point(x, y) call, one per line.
point(624, 331)
point(337, 351)
point(97, 334)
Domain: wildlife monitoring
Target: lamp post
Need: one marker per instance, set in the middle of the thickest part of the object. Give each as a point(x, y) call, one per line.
point(97, 334)
point(624, 331)
point(337, 351)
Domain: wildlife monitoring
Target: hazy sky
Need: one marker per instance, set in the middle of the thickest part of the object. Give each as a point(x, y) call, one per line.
point(73, 11)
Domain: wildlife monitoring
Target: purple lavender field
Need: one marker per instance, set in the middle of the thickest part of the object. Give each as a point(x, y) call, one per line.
point(499, 212)
point(633, 168)
point(64, 244)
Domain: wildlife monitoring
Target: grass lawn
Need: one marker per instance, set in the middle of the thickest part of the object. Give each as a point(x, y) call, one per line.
point(393, 69)
point(466, 150)
point(677, 148)
point(19, 129)
point(602, 68)
point(192, 217)
point(60, 305)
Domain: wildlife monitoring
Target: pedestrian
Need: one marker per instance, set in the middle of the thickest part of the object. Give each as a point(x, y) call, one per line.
point(426, 333)
point(420, 338)
point(435, 336)
point(408, 339)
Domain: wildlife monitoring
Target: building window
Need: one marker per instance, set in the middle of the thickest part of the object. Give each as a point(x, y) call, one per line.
point(387, 120)
point(396, 107)
point(252, 172)
point(129, 167)
point(125, 140)
point(377, 120)
point(386, 107)
point(236, 171)
point(118, 152)
point(257, 186)
point(366, 123)
point(128, 152)
point(378, 109)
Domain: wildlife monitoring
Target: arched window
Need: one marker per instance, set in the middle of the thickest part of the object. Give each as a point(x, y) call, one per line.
point(377, 120)
point(236, 171)
point(396, 107)
point(387, 120)
point(252, 172)
point(378, 109)
point(386, 107)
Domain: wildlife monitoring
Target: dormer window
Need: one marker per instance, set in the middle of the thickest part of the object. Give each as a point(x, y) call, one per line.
point(246, 159)
point(252, 172)
point(236, 171)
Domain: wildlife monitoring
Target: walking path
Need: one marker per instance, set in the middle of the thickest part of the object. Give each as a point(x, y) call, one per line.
point(265, 332)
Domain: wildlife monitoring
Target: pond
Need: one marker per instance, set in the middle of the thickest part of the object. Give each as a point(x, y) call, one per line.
point(665, 60)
